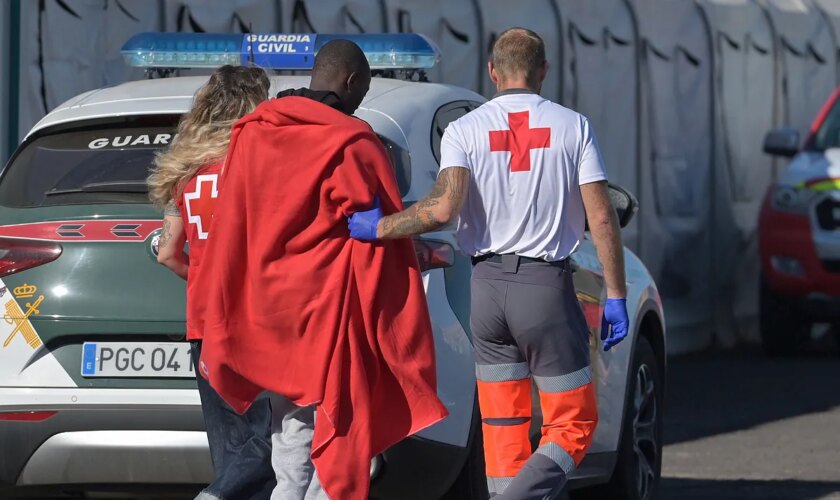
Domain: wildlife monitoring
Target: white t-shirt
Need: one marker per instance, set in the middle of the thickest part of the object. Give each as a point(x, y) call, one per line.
point(527, 158)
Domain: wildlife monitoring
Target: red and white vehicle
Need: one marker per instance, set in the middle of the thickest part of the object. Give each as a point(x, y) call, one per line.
point(799, 234)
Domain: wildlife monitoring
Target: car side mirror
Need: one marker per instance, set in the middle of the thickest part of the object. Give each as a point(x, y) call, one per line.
point(782, 142)
point(626, 205)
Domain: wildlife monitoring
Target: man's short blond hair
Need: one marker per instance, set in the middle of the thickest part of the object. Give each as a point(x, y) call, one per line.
point(518, 53)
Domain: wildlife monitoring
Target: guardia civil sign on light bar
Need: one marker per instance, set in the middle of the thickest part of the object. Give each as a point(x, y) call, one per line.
point(280, 51)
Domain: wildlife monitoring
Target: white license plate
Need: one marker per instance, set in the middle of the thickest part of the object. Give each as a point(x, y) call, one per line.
point(137, 359)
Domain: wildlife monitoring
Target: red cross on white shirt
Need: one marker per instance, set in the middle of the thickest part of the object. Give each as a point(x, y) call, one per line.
point(200, 203)
point(519, 140)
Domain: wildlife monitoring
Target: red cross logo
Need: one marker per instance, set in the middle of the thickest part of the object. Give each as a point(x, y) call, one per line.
point(200, 203)
point(519, 140)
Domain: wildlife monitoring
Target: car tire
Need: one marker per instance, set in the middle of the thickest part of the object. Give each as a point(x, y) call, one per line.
point(639, 463)
point(783, 332)
point(471, 483)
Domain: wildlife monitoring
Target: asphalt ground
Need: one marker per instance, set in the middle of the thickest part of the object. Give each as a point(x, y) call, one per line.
point(740, 425)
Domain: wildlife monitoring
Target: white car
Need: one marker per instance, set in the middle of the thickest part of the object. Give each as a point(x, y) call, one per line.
point(76, 217)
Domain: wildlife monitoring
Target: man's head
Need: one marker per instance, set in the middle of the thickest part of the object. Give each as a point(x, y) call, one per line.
point(518, 60)
point(342, 67)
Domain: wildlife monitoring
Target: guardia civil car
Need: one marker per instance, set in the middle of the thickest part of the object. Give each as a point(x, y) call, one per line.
point(799, 234)
point(96, 387)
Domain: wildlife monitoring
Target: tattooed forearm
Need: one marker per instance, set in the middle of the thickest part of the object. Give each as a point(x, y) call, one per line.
point(417, 219)
point(432, 212)
point(165, 234)
point(171, 247)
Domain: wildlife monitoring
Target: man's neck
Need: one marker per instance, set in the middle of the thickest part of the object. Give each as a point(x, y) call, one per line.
point(326, 97)
point(515, 85)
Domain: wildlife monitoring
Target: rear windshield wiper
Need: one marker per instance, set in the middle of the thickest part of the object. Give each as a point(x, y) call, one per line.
point(103, 187)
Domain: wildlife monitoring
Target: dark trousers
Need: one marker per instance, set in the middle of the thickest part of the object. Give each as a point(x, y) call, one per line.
point(240, 445)
point(528, 328)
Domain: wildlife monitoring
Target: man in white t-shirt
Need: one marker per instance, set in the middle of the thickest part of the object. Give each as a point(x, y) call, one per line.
point(524, 173)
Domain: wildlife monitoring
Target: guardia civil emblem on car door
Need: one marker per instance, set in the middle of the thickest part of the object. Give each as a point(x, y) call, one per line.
point(19, 319)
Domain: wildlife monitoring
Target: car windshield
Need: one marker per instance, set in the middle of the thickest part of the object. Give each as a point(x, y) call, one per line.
point(828, 135)
point(107, 164)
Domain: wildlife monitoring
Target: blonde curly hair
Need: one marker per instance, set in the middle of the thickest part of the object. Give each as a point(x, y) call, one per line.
point(204, 133)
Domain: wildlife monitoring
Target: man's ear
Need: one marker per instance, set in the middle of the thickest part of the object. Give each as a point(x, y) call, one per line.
point(351, 80)
point(494, 75)
point(543, 71)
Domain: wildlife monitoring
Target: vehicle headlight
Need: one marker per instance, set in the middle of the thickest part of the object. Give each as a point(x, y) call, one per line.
point(790, 199)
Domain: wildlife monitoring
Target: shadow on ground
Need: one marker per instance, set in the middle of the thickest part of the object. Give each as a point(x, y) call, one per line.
point(720, 392)
point(705, 489)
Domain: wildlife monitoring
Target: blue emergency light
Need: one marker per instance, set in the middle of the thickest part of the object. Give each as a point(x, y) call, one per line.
point(281, 51)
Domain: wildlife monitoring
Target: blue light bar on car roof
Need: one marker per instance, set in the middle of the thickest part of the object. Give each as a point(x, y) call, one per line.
point(273, 50)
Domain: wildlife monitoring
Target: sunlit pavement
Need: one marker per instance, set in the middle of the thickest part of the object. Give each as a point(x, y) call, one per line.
point(740, 425)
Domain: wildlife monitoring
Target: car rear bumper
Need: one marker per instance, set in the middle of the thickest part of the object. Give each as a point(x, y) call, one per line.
point(90, 457)
point(153, 436)
point(104, 436)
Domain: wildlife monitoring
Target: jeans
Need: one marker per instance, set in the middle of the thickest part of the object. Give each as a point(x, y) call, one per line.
point(240, 445)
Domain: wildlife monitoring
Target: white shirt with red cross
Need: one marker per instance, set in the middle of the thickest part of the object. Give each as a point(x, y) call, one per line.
point(527, 157)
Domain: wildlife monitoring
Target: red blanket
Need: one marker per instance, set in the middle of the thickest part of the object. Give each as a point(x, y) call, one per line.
point(294, 306)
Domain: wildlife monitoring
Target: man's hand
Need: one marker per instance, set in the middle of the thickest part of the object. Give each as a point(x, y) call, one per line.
point(363, 224)
point(615, 323)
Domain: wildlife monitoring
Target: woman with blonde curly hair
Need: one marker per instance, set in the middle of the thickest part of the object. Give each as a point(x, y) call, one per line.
point(185, 184)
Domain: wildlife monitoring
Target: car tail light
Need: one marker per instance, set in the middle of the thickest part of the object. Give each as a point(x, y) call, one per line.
point(434, 254)
point(17, 255)
point(26, 416)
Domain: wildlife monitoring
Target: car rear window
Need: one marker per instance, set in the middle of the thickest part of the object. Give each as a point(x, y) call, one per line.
point(108, 163)
point(94, 165)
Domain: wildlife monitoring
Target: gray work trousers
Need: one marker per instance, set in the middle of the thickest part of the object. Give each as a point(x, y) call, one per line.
point(528, 328)
point(292, 428)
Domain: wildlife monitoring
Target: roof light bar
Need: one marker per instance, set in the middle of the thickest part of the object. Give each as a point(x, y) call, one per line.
point(291, 51)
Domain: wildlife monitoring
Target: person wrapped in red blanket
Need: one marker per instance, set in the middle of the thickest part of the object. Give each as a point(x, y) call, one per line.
point(296, 307)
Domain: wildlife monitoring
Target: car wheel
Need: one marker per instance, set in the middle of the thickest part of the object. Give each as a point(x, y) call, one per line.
point(637, 470)
point(471, 483)
point(782, 330)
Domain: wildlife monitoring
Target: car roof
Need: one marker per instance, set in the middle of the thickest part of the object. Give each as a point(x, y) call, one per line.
point(175, 95)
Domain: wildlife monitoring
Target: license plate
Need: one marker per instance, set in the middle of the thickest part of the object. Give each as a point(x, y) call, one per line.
point(137, 359)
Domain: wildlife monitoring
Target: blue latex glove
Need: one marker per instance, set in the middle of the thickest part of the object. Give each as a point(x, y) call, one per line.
point(363, 224)
point(615, 316)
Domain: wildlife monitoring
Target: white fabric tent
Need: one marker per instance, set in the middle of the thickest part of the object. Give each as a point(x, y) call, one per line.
point(831, 11)
point(601, 81)
point(454, 26)
point(221, 16)
point(676, 167)
point(540, 16)
point(331, 16)
point(807, 69)
point(744, 54)
point(71, 47)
